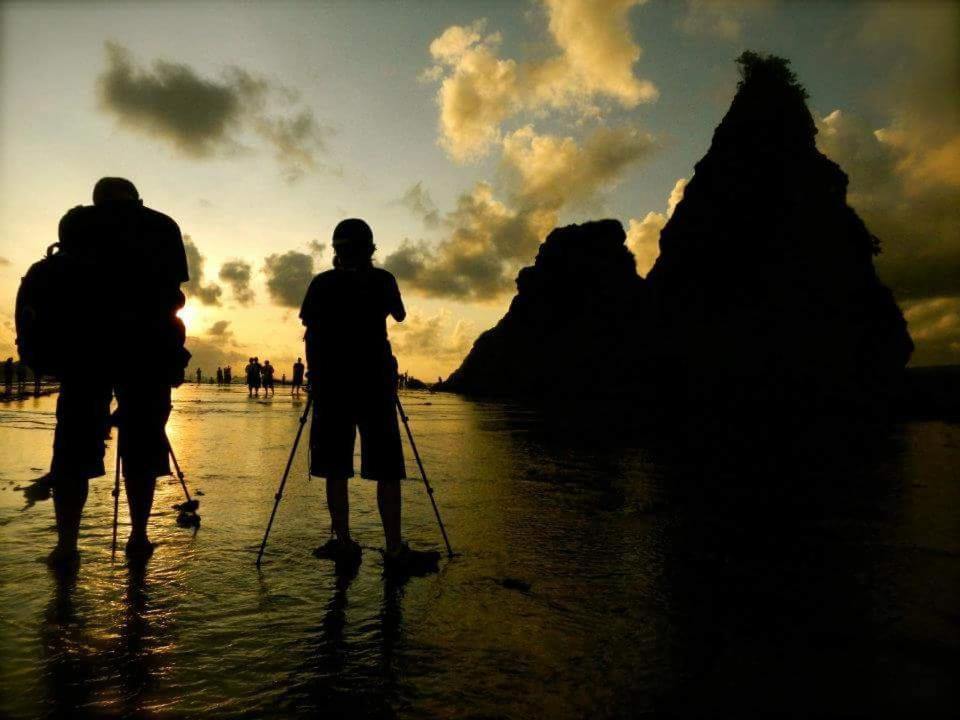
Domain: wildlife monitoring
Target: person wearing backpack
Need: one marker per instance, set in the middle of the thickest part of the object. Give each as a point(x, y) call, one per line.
point(125, 308)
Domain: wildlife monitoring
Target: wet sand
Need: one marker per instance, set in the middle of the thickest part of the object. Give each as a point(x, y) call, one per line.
point(604, 571)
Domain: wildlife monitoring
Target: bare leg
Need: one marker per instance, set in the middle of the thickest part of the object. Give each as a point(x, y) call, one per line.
point(69, 497)
point(338, 502)
point(140, 501)
point(388, 502)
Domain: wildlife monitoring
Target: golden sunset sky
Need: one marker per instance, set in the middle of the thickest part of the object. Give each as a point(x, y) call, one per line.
point(462, 132)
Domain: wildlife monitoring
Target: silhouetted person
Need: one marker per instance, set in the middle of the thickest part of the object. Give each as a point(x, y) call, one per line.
point(248, 371)
point(227, 375)
point(219, 377)
point(8, 375)
point(345, 313)
point(297, 377)
point(199, 376)
point(137, 255)
point(266, 372)
point(257, 376)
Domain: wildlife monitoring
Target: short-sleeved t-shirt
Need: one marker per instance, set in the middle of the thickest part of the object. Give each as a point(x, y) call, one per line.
point(139, 259)
point(345, 313)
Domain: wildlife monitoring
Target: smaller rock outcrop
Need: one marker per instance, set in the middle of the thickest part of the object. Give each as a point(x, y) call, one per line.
point(572, 328)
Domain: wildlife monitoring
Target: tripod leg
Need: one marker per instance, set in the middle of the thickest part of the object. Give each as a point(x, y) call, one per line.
point(116, 503)
point(176, 466)
point(283, 481)
point(423, 474)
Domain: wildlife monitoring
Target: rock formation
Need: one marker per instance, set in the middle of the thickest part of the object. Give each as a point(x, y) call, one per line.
point(571, 326)
point(765, 281)
point(764, 289)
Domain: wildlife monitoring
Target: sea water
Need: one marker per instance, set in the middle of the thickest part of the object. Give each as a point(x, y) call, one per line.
point(604, 569)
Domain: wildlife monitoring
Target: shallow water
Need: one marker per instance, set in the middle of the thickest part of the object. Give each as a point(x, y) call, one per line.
point(603, 571)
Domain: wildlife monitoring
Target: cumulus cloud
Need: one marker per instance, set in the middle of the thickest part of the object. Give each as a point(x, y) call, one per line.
point(479, 90)
point(905, 174)
point(643, 236)
point(722, 19)
point(206, 294)
point(488, 238)
point(202, 117)
point(435, 336)
point(317, 248)
point(237, 274)
point(418, 201)
point(288, 276)
point(220, 329)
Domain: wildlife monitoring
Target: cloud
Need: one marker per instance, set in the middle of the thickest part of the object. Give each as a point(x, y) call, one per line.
point(210, 354)
point(723, 19)
point(317, 248)
point(550, 172)
point(488, 239)
point(220, 329)
point(905, 174)
point(203, 117)
point(236, 274)
point(418, 201)
point(934, 326)
point(436, 337)
point(643, 236)
point(297, 142)
point(479, 90)
point(206, 294)
point(288, 276)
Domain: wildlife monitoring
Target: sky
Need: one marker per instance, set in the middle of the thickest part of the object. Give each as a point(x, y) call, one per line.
point(462, 132)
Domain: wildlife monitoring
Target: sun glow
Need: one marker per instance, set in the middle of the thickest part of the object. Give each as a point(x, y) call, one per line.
point(188, 314)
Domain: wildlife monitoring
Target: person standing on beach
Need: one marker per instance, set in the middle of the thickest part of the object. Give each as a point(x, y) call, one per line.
point(297, 377)
point(345, 312)
point(219, 376)
point(257, 376)
point(267, 373)
point(137, 263)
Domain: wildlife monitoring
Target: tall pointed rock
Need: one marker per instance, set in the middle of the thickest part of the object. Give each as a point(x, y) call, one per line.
point(765, 281)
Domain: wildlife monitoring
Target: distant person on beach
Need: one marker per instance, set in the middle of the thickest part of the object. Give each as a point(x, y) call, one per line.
point(345, 312)
point(227, 375)
point(8, 375)
point(253, 378)
point(266, 372)
point(138, 254)
point(297, 382)
point(199, 376)
point(219, 377)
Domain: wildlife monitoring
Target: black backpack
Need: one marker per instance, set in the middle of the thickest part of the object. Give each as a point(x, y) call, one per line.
point(53, 314)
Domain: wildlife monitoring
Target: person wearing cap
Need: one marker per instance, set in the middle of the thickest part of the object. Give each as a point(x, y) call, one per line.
point(353, 376)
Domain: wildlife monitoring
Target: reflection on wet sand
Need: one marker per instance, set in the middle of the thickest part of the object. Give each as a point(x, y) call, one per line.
point(607, 570)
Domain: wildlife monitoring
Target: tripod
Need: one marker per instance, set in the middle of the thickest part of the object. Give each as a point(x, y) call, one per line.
point(286, 473)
